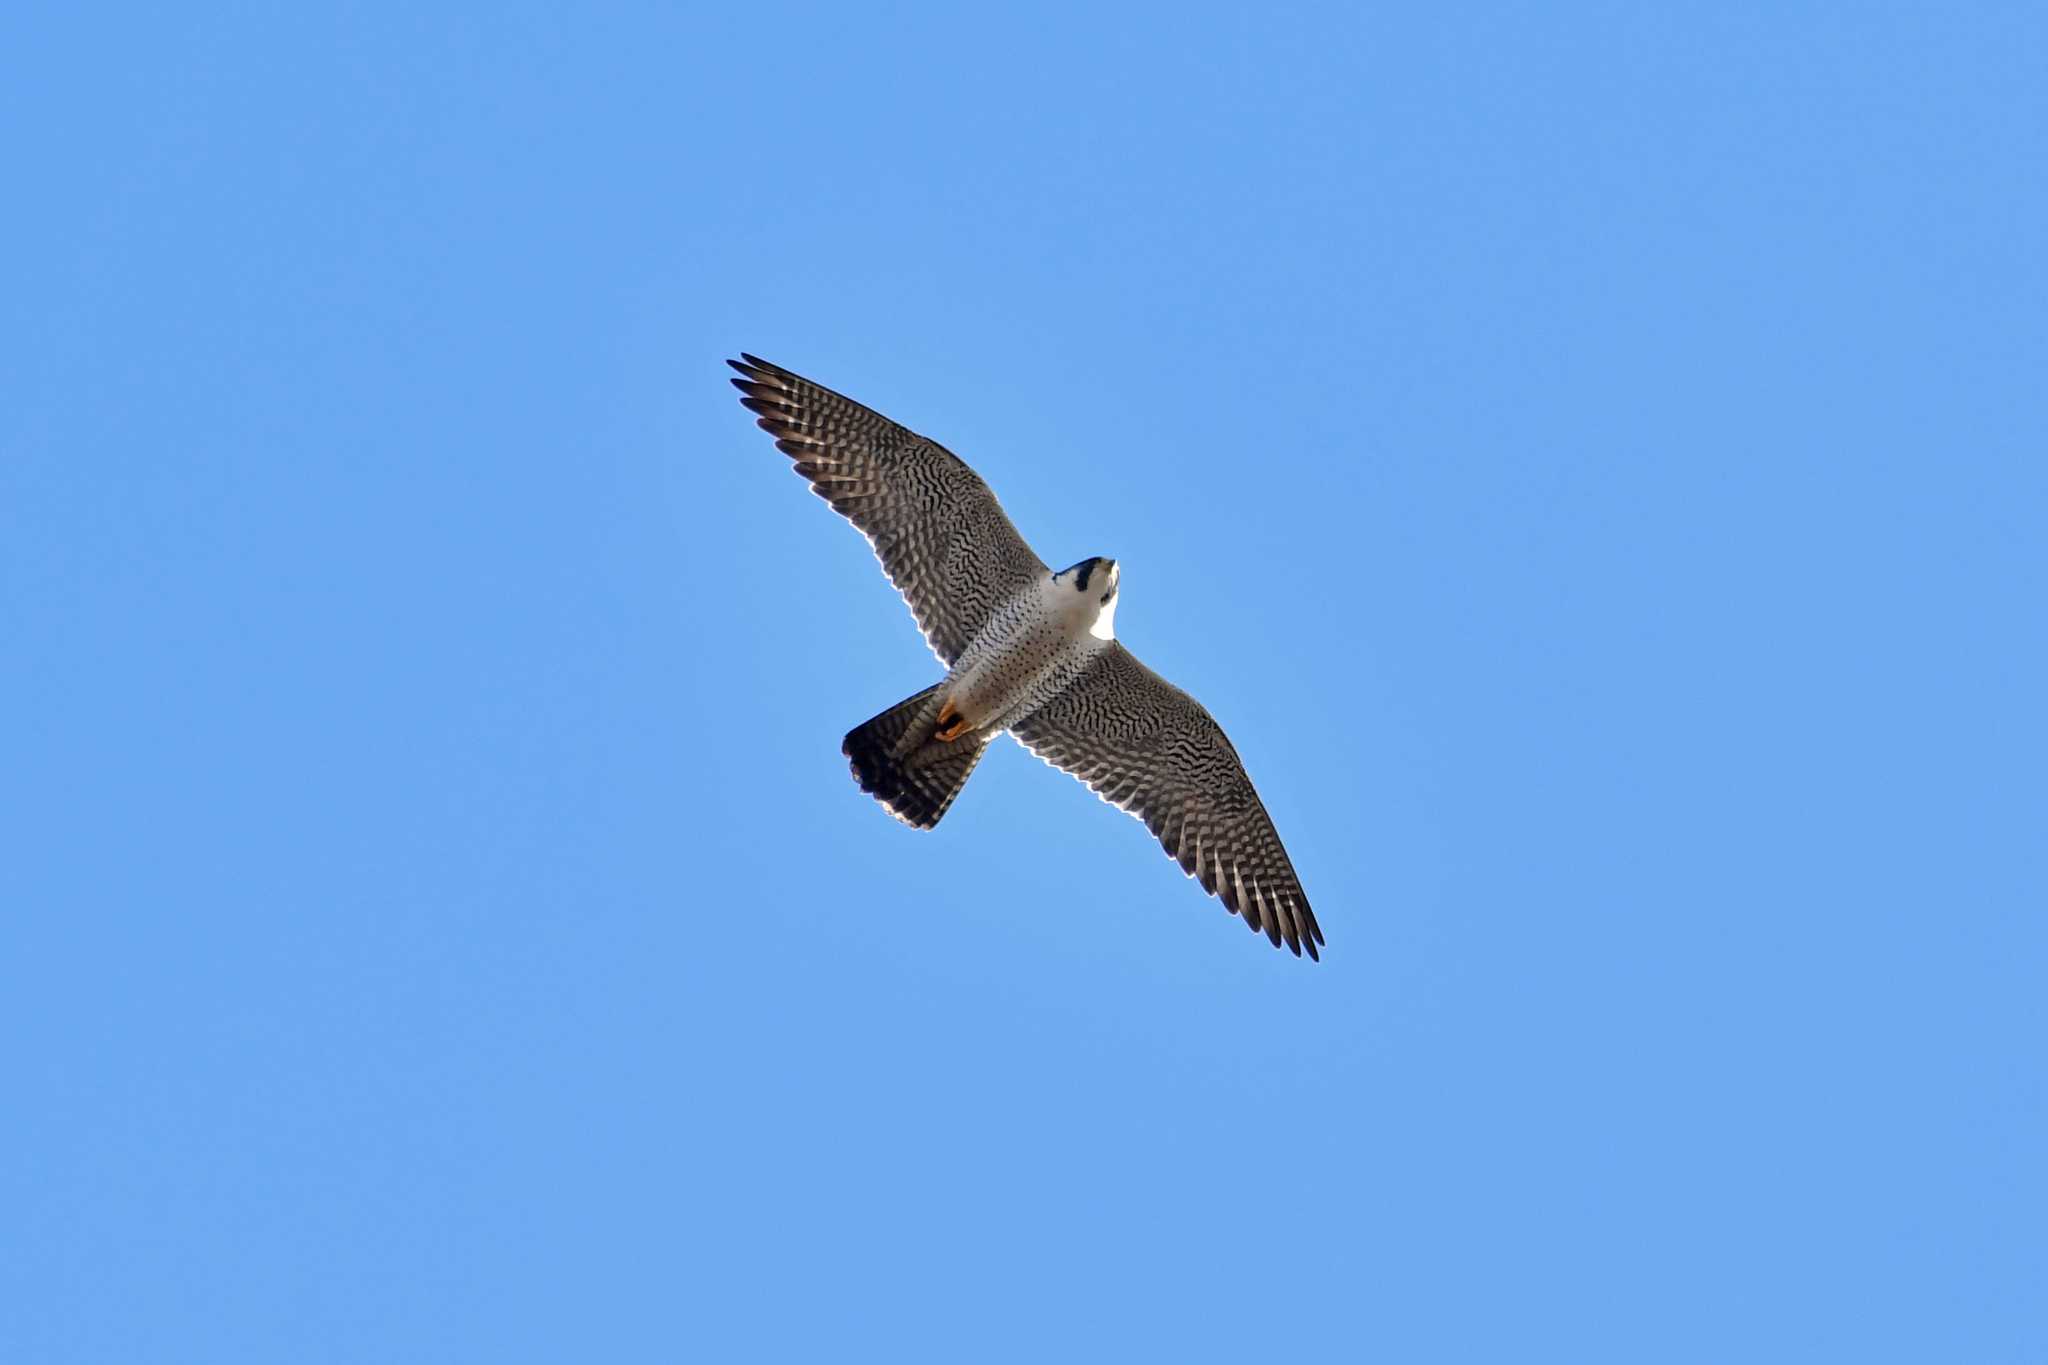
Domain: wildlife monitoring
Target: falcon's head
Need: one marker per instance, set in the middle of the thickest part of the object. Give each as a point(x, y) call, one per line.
point(1094, 580)
point(1095, 576)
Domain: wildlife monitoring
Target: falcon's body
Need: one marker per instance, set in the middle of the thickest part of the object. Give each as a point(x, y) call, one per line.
point(1027, 650)
point(1034, 645)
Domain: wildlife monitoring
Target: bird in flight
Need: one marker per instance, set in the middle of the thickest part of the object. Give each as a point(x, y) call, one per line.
point(1026, 650)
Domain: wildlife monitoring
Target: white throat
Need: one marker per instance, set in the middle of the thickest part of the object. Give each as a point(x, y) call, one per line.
point(1104, 627)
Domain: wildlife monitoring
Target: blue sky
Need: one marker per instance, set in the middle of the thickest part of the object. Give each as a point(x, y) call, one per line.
point(1590, 459)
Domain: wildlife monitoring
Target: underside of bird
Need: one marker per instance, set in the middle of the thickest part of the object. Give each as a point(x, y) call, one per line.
point(1028, 651)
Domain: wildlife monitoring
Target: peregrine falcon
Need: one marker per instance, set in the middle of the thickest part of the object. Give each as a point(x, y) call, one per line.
point(1026, 650)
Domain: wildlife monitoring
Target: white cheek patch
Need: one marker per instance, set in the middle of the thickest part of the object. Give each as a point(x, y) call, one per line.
point(1105, 622)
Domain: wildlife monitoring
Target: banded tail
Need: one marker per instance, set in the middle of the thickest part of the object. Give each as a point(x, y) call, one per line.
point(898, 762)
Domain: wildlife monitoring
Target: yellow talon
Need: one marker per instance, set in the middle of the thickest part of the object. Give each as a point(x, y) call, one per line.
point(951, 722)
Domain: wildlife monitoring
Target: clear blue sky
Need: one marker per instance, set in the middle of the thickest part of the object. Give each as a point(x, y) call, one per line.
point(1591, 460)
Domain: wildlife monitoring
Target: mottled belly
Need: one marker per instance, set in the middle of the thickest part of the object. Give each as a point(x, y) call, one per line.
point(1012, 677)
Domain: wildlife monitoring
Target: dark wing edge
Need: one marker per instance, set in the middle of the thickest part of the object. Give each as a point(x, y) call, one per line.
point(1151, 750)
point(941, 536)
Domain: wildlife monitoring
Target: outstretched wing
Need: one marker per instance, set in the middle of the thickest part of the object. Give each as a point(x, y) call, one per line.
point(1143, 745)
point(940, 533)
